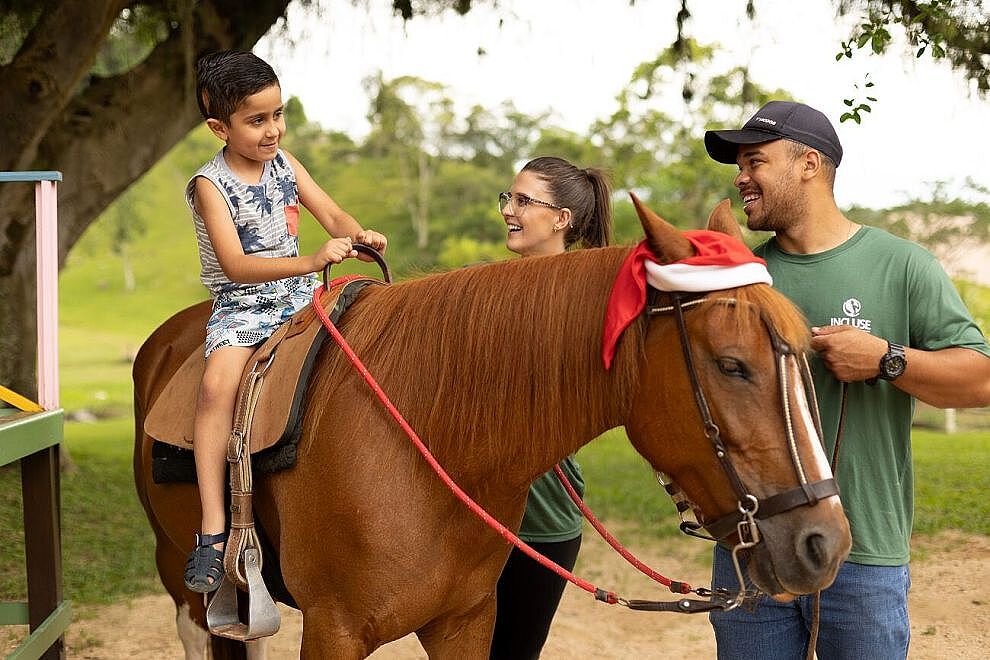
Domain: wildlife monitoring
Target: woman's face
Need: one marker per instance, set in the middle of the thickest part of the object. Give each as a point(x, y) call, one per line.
point(533, 228)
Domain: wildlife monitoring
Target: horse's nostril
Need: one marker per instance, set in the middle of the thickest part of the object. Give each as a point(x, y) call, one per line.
point(817, 550)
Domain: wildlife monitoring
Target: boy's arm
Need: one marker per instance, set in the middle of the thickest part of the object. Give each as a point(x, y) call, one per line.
point(335, 220)
point(248, 269)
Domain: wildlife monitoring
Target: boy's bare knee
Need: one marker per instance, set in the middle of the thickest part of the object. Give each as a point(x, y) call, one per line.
point(217, 389)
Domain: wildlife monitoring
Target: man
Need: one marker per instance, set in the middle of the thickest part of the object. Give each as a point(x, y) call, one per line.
point(887, 322)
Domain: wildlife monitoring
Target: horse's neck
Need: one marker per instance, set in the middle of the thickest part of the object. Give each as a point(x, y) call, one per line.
point(528, 387)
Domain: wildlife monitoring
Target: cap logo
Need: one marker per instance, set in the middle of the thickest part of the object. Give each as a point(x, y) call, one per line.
point(766, 121)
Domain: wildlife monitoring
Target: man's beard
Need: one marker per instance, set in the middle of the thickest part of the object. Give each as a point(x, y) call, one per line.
point(778, 211)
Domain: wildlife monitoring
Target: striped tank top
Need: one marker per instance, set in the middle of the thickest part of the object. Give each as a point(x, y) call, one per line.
point(265, 214)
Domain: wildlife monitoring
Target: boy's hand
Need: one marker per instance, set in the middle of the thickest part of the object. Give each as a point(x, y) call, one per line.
point(373, 239)
point(334, 251)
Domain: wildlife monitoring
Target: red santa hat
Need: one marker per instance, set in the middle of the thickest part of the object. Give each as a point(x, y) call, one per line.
point(720, 262)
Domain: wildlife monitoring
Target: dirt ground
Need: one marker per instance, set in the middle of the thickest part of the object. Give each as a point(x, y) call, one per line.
point(950, 612)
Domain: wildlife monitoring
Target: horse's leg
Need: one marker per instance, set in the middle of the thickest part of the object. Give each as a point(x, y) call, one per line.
point(190, 611)
point(192, 635)
point(257, 649)
point(323, 638)
point(468, 635)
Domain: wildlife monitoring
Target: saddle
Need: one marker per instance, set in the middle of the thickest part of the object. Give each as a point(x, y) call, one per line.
point(279, 371)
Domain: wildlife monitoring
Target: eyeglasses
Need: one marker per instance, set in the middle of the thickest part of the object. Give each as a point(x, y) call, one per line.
point(520, 202)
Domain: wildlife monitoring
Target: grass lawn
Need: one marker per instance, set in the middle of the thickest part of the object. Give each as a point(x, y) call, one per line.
point(108, 546)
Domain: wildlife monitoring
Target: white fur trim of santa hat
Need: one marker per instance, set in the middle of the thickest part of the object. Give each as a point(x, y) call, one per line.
point(690, 278)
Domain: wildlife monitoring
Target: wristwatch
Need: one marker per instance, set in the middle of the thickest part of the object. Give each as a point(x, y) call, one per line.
point(892, 364)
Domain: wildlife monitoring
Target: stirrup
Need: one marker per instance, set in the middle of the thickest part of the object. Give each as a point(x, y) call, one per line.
point(222, 616)
point(204, 567)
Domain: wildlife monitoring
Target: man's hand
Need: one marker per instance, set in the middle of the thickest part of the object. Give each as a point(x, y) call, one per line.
point(849, 353)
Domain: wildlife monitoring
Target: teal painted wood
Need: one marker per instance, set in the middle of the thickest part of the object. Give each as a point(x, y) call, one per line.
point(13, 614)
point(23, 434)
point(31, 176)
point(44, 636)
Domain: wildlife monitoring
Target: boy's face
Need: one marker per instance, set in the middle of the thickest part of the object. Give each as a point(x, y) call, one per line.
point(255, 129)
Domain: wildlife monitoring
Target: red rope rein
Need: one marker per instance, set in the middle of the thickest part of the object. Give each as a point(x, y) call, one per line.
point(674, 585)
point(600, 594)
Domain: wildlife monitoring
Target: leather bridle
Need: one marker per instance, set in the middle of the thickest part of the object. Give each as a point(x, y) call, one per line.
point(749, 507)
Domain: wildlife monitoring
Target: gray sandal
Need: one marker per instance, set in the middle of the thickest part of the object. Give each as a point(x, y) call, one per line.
point(204, 569)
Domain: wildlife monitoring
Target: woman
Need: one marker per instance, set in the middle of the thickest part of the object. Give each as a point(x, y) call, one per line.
point(551, 207)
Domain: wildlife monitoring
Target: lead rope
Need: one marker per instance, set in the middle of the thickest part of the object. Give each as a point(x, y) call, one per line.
point(816, 606)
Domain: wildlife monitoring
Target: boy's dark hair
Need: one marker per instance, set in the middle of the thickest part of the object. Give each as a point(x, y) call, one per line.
point(224, 79)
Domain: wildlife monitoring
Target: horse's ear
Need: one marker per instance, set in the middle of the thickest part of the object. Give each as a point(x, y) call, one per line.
point(721, 219)
point(666, 240)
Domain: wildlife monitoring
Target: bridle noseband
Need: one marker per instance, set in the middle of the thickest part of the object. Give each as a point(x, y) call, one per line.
point(749, 507)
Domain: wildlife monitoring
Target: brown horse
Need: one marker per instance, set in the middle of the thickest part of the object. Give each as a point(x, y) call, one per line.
point(499, 369)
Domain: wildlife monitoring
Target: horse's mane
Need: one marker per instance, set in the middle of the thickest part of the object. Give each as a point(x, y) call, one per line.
point(487, 352)
point(774, 309)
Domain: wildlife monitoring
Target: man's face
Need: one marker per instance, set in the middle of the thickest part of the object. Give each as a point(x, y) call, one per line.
point(769, 183)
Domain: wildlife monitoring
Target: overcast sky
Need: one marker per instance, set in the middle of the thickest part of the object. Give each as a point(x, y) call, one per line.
point(574, 56)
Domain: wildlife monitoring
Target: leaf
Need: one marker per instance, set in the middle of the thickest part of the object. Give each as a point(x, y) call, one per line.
point(871, 98)
point(921, 51)
point(863, 106)
point(838, 56)
point(845, 116)
point(856, 118)
point(863, 38)
point(848, 102)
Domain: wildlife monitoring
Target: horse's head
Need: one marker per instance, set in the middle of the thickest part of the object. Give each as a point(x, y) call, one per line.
point(740, 435)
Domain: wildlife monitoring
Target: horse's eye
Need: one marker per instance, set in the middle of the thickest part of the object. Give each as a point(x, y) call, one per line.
point(732, 367)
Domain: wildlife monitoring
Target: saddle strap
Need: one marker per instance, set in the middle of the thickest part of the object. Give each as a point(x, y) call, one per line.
point(242, 532)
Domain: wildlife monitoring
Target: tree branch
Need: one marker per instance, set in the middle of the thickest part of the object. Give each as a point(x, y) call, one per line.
point(44, 73)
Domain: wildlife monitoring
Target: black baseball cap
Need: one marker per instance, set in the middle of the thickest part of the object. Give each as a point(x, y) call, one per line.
point(776, 120)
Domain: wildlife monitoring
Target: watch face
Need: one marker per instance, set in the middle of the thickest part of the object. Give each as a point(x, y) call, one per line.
point(893, 366)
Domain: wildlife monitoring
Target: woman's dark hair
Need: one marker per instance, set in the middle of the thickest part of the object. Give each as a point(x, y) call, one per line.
point(586, 192)
point(224, 79)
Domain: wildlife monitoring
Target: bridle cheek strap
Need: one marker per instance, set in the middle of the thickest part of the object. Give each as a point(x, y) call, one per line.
point(807, 493)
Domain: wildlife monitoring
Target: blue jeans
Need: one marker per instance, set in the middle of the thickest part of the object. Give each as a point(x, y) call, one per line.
point(863, 615)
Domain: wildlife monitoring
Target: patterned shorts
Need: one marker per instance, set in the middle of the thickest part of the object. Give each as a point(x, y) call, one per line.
point(248, 315)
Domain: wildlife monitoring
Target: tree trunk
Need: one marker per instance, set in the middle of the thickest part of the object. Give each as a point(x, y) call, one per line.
point(18, 327)
point(101, 133)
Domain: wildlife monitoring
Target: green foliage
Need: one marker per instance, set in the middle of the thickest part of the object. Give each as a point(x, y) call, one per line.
point(135, 33)
point(660, 154)
point(955, 31)
point(855, 106)
point(461, 251)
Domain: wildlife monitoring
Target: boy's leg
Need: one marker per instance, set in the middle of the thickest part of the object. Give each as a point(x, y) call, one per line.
point(214, 416)
point(774, 631)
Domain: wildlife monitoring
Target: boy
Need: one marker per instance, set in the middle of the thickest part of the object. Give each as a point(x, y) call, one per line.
point(245, 206)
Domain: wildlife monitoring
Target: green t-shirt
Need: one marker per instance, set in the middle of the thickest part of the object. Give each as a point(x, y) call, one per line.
point(896, 290)
point(550, 515)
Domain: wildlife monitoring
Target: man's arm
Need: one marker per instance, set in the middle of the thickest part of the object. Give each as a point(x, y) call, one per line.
point(952, 377)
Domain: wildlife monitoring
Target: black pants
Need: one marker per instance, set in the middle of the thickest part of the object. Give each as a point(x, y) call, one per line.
point(528, 595)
